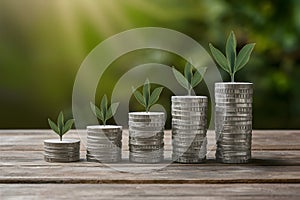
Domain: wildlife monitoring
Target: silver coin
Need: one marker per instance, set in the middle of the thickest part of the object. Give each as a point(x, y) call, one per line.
point(147, 134)
point(154, 129)
point(190, 149)
point(135, 142)
point(234, 118)
point(100, 139)
point(189, 122)
point(233, 137)
point(150, 137)
point(61, 148)
point(60, 151)
point(102, 134)
point(197, 107)
point(103, 155)
point(61, 154)
point(145, 160)
point(189, 132)
point(176, 127)
point(64, 142)
point(61, 160)
point(234, 160)
point(225, 100)
point(189, 155)
point(147, 120)
point(233, 96)
point(104, 142)
point(188, 160)
point(146, 147)
point(181, 137)
point(148, 124)
point(92, 159)
point(234, 84)
point(143, 115)
point(190, 118)
point(189, 97)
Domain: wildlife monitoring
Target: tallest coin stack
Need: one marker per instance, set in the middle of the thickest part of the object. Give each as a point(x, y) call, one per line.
point(233, 122)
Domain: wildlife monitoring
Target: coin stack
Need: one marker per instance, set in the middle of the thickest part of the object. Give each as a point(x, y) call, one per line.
point(146, 137)
point(233, 122)
point(67, 150)
point(189, 127)
point(104, 143)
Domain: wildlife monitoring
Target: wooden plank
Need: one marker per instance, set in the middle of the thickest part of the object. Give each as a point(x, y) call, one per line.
point(175, 173)
point(146, 191)
point(266, 158)
point(32, 140)
point(22, 161)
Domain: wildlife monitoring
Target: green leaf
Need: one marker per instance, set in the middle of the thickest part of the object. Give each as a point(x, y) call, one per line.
point(139, 97)
point(155, 96)
point(104, 106)
point(53, 126)
point(197, 78)
point(231, 50)
point(220, 58)
point(60, 121)
point(181, 79)
point(146, 92)
point(243, 56)
point(97, 112)
point(188, 72)
point(112, 110)
point(68, 126)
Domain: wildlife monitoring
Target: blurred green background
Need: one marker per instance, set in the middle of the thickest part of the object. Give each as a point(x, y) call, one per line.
point(43, 43)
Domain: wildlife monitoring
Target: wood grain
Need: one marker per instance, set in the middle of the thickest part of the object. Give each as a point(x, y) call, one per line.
point(274, 171)
point(146, 191)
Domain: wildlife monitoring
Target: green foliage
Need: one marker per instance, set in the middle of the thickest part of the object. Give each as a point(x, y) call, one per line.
point(147, 99)
point(190, 79)
point(232, 63)
point(104, 113)
point(61, 128)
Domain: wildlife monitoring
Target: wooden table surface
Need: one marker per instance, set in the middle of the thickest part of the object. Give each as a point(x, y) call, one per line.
point(273, 173)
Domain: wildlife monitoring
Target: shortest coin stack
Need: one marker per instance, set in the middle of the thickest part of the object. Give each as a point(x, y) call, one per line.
point(189, 127)
point(104, 143)
point(67, 150)
point(146, 137)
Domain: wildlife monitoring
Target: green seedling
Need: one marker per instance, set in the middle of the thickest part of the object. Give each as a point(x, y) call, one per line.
point(61, 127)
point(232, 62)
point(104, 112)
point(190, 79)
point(147, 99)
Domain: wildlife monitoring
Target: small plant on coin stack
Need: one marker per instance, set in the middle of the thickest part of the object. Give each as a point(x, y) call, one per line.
point(61, 127)
point(191, 78)
point(146, 98)
point(146, 129)
point(104, 142)
point(62, 150)
point(189, 118)
point(233, 119)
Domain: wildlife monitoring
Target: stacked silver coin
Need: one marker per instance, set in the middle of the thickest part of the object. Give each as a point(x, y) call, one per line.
point(233, 122)
point(104, 143)
point(146, 137)
point(67, 150)
point(189, 127)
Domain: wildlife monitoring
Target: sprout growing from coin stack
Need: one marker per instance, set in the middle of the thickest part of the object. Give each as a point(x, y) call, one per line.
point(104, 142)
point(62, 150)
point(146, 129)
point(189, 118)
point(233, 119)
